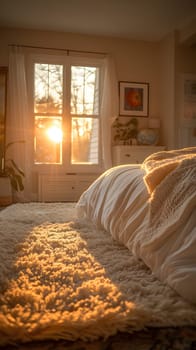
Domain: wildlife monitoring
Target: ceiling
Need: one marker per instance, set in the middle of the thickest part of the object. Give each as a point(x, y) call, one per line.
point(147, 20)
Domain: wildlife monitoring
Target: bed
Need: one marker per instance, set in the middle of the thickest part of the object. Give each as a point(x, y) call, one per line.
point(151, 209)
point(118, 267)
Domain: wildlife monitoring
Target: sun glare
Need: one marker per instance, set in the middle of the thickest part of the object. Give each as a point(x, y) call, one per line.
point(55, 134)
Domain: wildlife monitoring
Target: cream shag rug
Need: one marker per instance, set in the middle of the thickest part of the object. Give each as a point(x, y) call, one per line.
point(60, 278)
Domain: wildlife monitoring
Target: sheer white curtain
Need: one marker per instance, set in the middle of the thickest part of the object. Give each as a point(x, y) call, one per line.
point(109, 109)
point(17, 118)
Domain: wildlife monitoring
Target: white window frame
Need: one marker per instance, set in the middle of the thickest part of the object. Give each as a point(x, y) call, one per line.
point(67, 61)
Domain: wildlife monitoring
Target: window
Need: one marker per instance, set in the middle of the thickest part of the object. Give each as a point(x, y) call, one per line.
point(48, 113)
point(66, 112)
point(84, 102)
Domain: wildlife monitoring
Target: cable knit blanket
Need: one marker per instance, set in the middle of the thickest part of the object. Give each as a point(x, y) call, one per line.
point(168, 244)
point(171, 181)
point(158, 165)
point(152, 210)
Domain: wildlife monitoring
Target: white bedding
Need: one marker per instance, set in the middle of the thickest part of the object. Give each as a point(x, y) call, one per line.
point(152, 213)
point(117, 201)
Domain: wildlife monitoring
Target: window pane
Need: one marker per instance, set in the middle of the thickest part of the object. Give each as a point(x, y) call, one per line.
point(84, 90)
point(85, 141)
point(48, 88)
point(48, 140)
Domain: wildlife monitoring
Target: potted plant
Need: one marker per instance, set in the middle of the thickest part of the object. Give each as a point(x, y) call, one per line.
point(12, 171)
point(125, 132)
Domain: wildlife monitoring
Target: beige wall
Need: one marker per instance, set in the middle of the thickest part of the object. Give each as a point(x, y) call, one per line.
point(167, 87)
point(185, 65)
point(134, 60)
point(155, 63)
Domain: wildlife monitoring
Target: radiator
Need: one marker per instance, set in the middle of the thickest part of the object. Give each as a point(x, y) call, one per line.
point(63, 188)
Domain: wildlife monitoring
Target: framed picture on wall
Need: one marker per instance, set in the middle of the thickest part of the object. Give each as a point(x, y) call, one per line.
point(134, 99)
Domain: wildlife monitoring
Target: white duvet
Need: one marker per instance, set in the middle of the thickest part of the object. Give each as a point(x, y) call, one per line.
point(152, 210)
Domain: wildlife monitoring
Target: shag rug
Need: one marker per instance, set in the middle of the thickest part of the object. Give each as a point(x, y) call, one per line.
point(61, 278)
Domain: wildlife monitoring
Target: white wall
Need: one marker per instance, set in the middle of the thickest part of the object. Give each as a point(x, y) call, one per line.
point(176, 59)
point(135, 60)
point(155, 63)
point(167, 87)
point(185, 67)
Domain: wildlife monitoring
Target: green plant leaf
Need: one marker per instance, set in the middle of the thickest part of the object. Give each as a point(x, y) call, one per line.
point(21, 172)
point(14, 183)
point(20, 185)
point(13, 143)
point(13, 171)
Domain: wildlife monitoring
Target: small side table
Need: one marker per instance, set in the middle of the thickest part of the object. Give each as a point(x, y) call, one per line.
point(125, 154)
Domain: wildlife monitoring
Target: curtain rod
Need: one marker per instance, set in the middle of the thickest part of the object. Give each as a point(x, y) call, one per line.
point(54, 48)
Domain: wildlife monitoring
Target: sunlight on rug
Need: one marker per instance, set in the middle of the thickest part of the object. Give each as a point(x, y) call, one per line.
point(60, 278)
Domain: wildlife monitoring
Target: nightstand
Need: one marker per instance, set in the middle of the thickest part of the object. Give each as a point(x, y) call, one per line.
point(125, 154)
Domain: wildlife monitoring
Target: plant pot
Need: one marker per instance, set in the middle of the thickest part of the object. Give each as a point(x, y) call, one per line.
point(5, 191)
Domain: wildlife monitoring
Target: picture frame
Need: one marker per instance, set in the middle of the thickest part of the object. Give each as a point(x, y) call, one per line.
point(133, 99)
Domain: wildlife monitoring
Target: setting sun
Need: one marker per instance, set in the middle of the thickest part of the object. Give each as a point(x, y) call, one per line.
point(55, 134)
